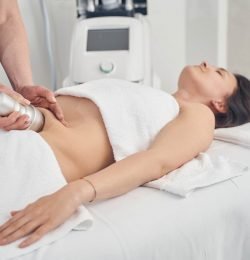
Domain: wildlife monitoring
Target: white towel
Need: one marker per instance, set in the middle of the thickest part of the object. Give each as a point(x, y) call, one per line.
point(239, 135)
point(133, 114)
point(28, 171)
point(202, 171)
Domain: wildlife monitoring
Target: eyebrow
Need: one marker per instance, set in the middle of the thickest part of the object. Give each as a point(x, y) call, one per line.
point(224, 70)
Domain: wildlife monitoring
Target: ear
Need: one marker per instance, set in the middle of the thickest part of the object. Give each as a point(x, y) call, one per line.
point(219, 106)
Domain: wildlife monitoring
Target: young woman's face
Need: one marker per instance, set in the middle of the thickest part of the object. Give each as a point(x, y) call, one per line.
point(207, 82)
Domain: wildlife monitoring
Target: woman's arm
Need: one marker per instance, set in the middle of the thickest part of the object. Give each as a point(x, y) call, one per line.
point(178, 142)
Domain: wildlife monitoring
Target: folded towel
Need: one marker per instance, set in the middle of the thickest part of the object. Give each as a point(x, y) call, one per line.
point(202, 171)
point(237, 135)
point(28, 171)
point(133, 114)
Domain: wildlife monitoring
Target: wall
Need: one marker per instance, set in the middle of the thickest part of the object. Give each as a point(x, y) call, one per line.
point(206, 31)
point(238, 36)
point(217, 32)
point(62, 17)
point(183, 32)
point(168, 26)
point(168, 38)
point(34, 26)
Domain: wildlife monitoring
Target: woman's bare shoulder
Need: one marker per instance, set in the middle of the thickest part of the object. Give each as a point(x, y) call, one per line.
point(197, 109)
point(197, 114)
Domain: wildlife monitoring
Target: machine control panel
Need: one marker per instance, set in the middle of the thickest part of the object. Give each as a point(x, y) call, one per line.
point(106, 67)
point(108, 47)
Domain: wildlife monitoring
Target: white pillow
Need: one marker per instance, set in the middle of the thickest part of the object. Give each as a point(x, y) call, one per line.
point(237, 135)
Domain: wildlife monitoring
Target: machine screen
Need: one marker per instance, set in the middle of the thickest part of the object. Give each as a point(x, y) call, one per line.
point(108, 40)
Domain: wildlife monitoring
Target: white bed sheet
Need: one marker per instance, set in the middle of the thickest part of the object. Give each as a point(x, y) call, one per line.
point(212, 224)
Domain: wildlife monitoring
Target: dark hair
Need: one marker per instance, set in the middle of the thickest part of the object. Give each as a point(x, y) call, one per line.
point(238, 105)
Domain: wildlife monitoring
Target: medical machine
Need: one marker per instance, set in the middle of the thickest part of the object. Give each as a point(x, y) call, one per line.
point(111, 39)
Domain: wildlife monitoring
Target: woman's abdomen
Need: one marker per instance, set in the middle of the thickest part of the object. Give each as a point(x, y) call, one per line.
point(82, 147)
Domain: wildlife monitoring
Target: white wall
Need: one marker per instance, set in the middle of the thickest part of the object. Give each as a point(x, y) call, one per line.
point(167, 19)
point(183, 32)
point(62, 16)
point(34, 26)
point(168, 25)
point(239, 37)
point(206, 31)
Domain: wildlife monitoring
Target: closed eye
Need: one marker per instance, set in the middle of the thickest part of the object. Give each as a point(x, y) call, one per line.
point(219, 72)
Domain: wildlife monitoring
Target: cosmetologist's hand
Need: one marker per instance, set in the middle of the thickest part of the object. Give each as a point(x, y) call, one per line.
point(14, 120)
point(40, 96)
point(40, 217)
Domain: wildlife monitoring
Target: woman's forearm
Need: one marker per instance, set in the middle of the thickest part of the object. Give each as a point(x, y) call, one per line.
point(121, 177)
point(14, 53)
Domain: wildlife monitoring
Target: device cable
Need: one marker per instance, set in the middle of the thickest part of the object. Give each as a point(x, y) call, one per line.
point(49, 44)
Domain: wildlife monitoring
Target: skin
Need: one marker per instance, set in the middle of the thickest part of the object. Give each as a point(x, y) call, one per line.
point(14, 57)
point(206, 84)
point(201, 91)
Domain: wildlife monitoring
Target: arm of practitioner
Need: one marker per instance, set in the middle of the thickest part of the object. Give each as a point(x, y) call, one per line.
point(14, 51)
point(14, 56)
point(179, 141)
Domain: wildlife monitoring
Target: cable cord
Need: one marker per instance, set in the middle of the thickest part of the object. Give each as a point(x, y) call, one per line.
point(49, 44)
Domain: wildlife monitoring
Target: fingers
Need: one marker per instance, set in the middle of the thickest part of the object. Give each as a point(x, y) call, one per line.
point(10, 228)
point(22, 228)
point(45, 93)
point(53, 107)
point(23, 223)
point(19, 214)
point(57, 111)
point(8, 120)
point(39, 217)
point(14, 121)
point(18, 97)
point(38, 95)
point(42, 97)
point(9, 222)
point(40, 232)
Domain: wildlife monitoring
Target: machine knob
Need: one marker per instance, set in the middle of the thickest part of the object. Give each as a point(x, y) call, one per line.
point(106, 67)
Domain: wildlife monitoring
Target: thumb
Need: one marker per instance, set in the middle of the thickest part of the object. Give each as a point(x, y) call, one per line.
point(46, 93)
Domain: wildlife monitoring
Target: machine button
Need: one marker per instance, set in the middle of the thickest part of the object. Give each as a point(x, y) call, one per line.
point(106, 67)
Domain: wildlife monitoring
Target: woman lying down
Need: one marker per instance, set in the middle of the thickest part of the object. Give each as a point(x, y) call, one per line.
point(120, 135)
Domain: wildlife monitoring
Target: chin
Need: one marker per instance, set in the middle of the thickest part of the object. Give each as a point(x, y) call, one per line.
point(188, 75)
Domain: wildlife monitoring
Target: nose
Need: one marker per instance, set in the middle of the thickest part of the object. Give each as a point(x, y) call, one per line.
point(204, 64)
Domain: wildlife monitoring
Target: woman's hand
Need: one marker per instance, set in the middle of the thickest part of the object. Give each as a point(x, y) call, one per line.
point(42, 216)
point(42, 97)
